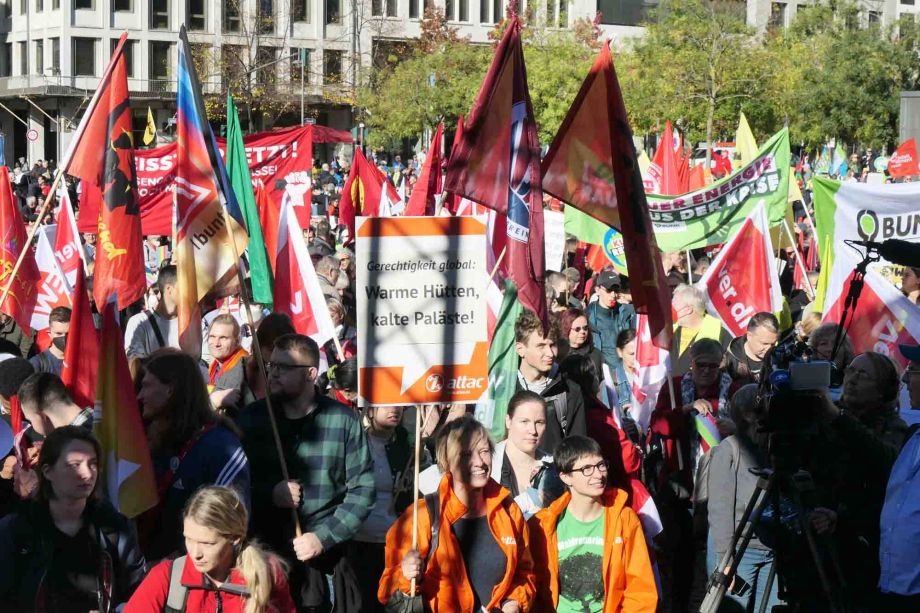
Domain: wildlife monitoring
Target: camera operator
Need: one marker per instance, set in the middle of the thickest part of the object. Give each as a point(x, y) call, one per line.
point(850, 458)
point(821, 343)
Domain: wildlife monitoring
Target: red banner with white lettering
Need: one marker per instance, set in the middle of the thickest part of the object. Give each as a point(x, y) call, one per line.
point(281, 159)
point(742, 281)
point(905, 162)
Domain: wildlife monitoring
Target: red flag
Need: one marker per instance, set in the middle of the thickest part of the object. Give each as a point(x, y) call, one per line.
point(17, 293)
point(81, 355)
point(125, 466)
point(297, 290)
point(683, 167)
point(453, 202)
point(269, 214)
point(421, 202)
point(742, 281)
point(592, 165)
point(497, 164)
point(664, 170)
point(698, 177)
point(905, 162)
point(68, 251)
point(366, 192)
point(103, 155)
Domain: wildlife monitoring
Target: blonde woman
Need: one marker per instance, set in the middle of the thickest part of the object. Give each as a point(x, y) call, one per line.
point(221, 571)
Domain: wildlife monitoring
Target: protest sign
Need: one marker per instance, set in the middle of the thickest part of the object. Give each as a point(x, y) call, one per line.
point(713, 214)
point(421, 309)
point(282, 160)
point(857, 211)
point(554, 238)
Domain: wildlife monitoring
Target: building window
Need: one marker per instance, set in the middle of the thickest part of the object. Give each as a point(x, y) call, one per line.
point(83, 4)
point(122, 6)
point(376, 8)
point(56, 55)
point(195, 15)
point(623, 12)
point(777, 15)
point(55, 5)
point(333, 11)
point(464, 10)
point(265, 62)
point(6, 62)
point(497, 11)
point(39, 56)
point(301, 10)
point(231, 17)
point(332, 66)
point(298, 56)
point(128, 51)
point(449, 10)
point(234, 59)
point(159, 14)
point(908, 2)
point(160, 53)
point(84, 57)
point(23, 5)
point(23, 58)
point(266, 17)
point(875, 17)
point(39, 6)
point(413, 9)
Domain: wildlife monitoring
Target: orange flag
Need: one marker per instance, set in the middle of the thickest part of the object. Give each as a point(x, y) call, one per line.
point(125, 467)
point(19, 292)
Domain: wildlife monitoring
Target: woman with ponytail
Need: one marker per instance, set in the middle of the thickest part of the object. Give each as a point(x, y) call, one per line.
point(222, 571)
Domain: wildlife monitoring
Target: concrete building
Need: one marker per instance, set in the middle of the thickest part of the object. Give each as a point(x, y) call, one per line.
point(773, 13)
point(53, 52)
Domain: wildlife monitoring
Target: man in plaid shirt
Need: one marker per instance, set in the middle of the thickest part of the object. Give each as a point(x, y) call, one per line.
point(331, 471)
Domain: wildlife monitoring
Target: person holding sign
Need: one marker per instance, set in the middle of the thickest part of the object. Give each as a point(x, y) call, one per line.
point(481, 561)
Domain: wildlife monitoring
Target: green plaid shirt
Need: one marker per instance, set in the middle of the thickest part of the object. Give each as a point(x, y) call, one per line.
point(327, 452)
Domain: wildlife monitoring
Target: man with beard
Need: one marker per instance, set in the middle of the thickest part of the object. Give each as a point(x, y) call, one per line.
point(331, 487)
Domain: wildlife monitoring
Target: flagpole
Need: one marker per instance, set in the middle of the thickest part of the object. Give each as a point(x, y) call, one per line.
point(260, 362)
point(26, 248)
point(798, 259)
point(689, 268)
point(418, 441)
point(680, 455)
point(498, 263)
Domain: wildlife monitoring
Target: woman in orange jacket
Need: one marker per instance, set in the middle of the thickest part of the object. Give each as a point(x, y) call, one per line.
point(588, 548)
point(482, 558)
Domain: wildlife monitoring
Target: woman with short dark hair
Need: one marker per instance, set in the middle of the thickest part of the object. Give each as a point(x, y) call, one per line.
point(66, 550)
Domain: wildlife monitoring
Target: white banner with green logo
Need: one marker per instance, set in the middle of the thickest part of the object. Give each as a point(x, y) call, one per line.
point(712, 215)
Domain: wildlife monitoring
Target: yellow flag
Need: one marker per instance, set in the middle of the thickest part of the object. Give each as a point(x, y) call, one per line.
point(745, 144)
point(150, 134)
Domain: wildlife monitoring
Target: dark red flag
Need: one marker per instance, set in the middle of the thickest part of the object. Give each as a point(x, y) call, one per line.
point(422, 200)
point(497, 164)
point(102, 155)
point(592, 165)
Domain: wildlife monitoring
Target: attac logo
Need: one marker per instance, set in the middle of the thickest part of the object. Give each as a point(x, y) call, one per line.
point(434, 383)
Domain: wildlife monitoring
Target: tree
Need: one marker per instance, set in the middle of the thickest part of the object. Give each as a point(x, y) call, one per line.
point(696, 63)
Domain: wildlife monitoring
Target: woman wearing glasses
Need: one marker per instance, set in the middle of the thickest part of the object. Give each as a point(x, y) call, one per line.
point(588, 547)
point(575, 330)
point(482, 560)
point(191, 446)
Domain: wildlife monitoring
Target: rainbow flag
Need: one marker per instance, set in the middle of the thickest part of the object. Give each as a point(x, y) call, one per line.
point(709, 433)
point(125, 466)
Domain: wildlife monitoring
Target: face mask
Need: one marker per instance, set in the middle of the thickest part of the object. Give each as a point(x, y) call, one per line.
point(60, 342)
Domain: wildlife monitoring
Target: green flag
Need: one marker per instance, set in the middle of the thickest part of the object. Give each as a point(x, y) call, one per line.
point(503, 366)
point(585, 228)
point(241, 180)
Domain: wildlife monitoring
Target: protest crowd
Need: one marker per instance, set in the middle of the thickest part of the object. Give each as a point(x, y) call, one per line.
point(191, 426)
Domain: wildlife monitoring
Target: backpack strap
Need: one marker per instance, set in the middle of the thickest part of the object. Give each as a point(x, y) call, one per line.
point(178, 593)
point(156, 329)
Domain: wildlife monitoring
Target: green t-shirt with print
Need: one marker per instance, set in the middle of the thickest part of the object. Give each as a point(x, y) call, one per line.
point(581, 555)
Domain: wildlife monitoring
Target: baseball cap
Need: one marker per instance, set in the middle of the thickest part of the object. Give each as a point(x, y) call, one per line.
point(911, 352)
point(609, 280)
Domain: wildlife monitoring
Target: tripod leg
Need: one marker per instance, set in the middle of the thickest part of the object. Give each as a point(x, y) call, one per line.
point(768, 588)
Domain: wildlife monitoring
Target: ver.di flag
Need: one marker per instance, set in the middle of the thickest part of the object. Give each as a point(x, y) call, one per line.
point(905, 162)
point(125, 467)
point(862, 212)
point(102, 156)
point(497, 164)
point(207, 246)
point(742, 281)
point(713, 214)
point(68, 251)
point(53, 290)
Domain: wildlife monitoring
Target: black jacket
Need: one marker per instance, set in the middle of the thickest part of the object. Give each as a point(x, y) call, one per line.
point(565, 411)
point(26, 552)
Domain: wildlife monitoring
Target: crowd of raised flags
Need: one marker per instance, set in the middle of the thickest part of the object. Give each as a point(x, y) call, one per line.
point(747, 239)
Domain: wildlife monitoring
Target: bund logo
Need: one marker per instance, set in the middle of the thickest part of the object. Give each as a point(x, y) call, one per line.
point(434, 383)
point(867, 224)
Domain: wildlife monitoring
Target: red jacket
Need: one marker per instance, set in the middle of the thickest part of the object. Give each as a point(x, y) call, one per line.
point(629, 582)
point(446, 587)
point(150, 596)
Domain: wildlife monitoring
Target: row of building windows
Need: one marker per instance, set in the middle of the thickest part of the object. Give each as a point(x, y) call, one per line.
point(234, 60)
